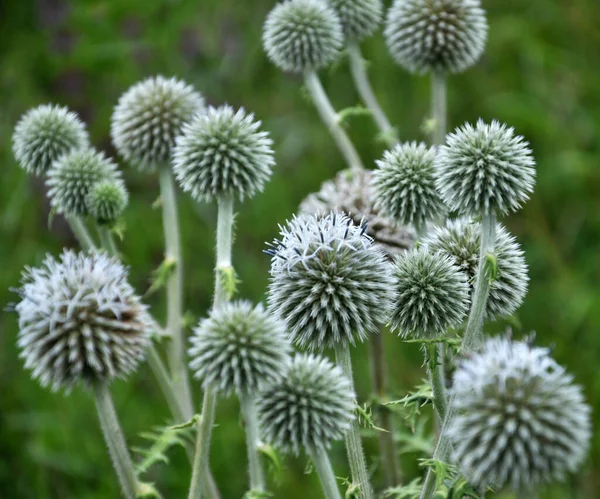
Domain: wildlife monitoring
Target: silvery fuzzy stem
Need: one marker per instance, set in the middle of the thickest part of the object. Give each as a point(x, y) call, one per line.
point(359, 74)
point(439, 106)
point(325, 471)
point(81, 233)
point(356, 457)
point(107, 240)
point(331, 120)
point(436, 374)
point(257, 475)
point(115, 441)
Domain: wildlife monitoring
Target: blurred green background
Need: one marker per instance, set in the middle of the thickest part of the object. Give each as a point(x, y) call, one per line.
point(539, 74)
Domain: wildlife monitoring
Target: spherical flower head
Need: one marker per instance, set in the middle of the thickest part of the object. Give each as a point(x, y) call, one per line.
point(72, 176)
point(44, 134)
point(329, 282)
point(519, 419)
point(404, 185)
point(308, 407)
point(432, 295)
point(148, 118)
point(223, 153)
point(461, 240)
point(485, 169)
point(107, 200)
point(80, 321)
point(239, 348)
point(359, 18)
point(436, 35)
point(302, 35)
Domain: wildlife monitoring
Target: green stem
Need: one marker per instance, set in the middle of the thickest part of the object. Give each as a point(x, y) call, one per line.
point(356, 457)
point(107, 240)
point(331, 120)
point(325, 471)
point(204, 428)
point(435, 369)
point(115, 441)
point(81, 233)
point(257, 476)
point(439, 106)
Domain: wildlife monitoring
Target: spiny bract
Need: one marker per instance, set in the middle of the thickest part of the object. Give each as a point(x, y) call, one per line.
point(239, 348)
point(148, 118)
point(360, 18)
point(80, 321)
point(432, 295)
point(404, 186)
point(461, 238)
point(519, 419)
point(311, 405)
point(436, 35)
point(107, 200)
point(485, 169)
point(44, 134)
point(73, 175)
point(223, 153)
point(329, 282)
point(302, 35)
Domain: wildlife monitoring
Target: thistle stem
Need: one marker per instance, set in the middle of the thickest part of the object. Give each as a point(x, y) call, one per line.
point(356, 457)
point(115, 441)
point(204, 428)
point(436, 374)
point(81, 233)
point(439, 109)
point(331, 120)
point(325, 471)
point(107, 240)
point(257, 476)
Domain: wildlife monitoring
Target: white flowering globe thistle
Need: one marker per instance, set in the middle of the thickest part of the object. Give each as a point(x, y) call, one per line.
point(311, 405)
point(461, 239)
point(404, 185)
point(44, 134)
point(519, 419)
point(80, 321)
point(485, 169)
point(436, 35)
point(148, 118)
point(359, 18)
point(223, 153)
point(329, 282)
point(239, 348)
point(107, 200)
point(432, 295)
point(302, 35)
point(72, 176)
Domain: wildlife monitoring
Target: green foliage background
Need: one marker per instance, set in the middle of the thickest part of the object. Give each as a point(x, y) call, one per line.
point(540, 75)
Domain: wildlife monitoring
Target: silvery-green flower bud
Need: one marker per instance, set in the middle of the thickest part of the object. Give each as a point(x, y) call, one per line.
point(107, 200)
point(359, 18)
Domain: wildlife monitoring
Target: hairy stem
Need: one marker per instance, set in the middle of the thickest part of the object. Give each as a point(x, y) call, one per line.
point(325, 471)
point(439, 106)
point(204, 429)
point(257, 476)
point(107, 240)
point(435, 368)
point(81, 233)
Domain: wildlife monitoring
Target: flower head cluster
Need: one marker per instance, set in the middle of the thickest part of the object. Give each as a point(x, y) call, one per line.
point(107, 200)
point(519, 420)
point(329, 282)
point(80, 321)
point(360, 18)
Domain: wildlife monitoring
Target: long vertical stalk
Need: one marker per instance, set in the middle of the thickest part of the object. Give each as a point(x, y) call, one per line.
point(325, 471)
point(257, 475)
point(438, 383)
point(81, 233)
point(439, 106)
point(107, 240)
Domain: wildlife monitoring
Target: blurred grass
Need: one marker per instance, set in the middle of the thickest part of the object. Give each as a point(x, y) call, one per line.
point(539, 74)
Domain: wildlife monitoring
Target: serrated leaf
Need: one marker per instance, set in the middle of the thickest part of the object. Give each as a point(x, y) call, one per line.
point(491, 267)
point(365, 418)
point(196, 418)
point(348, 113)
point(411, 490)
point(161, 275)
point(147, 490)
point(442, 469)
point(272, 458)
point(162, 439)
point(228, 279)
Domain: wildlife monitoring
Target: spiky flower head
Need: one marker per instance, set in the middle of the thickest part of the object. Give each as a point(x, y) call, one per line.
point(520, 420)
point(359, 18)
point(80, 321)
point(404, 186)
point(239, 348)
point(485, 169)
point(44, 134)
point(461, 239)
point(148, 118)
point(72, 176)
point(107, 200)
point(223, 153)
point(432, 294)
point(302, 35)
point(311, 405)
point(436, 35)
point(351, 192)
point(329, 282)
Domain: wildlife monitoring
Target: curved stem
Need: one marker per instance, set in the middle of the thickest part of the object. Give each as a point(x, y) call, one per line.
point(81, 233)
point(439, 106)
point(325, 471)
point(257, 476)
point(331, 120)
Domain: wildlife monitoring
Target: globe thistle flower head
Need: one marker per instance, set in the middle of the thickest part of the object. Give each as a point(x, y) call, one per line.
point(432, 295)
point(148, 118)
point(223, 152)
point(520, 420)
point(72, 176)
point(446, 36)
point(44, 134)
point(239, 348)
point(359, 18)
point(404, 185)
point(107, 200)
point(485, 169)
point(302, 35)
point(461, 240)
point(329, 282)
point(308, 407)
point(80, 321)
